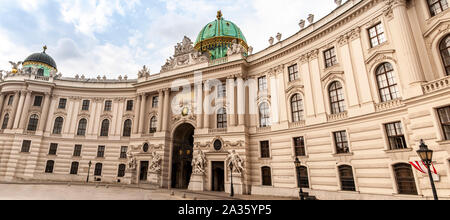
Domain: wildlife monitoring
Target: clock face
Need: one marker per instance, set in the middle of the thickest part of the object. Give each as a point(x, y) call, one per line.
point(217, 145)
point(185, 111)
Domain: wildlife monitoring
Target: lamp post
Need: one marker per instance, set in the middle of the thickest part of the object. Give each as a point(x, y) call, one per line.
point(298, 164)
point(232, 188)
point(89, 170)
point(426, 155)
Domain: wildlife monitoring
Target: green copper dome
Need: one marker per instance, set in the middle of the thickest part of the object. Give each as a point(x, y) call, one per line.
point(218, 35)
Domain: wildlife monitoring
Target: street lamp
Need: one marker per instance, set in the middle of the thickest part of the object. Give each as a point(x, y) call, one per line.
point(232, 188)
point(426, 155)
point(298, 164)
point(89, 170)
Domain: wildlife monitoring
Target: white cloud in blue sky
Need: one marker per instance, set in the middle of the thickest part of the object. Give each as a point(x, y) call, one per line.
point(118, 37)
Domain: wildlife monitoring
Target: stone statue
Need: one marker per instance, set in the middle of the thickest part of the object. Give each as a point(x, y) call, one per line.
point(184, 55)
point(250, 50)
point(271, 41)
point(236, 161)
point(15, 66)
point(199, 163)
point(144, 72)
point(155, 164)
point(279, 37)
point(131, 160)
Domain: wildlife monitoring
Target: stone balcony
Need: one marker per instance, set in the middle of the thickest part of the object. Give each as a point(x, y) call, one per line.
point(217, 130)
point(388, 105)
point(297, 124)
point(436, 85)
point(337, 117)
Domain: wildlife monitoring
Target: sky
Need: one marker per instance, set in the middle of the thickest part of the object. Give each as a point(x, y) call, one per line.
point(118, 37)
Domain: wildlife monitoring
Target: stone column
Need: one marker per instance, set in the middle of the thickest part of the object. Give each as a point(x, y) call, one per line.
point(137, 108)
point(350, 81)
point(231, 100)
point(44, 115)
point(309, 94)
point(26, 108)
point(240, 100)
point(166, 109)
point(160, 109)
point(206, 106)
point(316, 81)
point(2, 99)
point(18, 108)
point(199, 105)
point(410, 65)
point(142, 113)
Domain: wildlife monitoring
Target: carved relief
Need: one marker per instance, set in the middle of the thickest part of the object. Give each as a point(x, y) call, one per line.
point(185, 54)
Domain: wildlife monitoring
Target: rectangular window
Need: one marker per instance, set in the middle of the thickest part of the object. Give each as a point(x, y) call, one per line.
point(74, 168)
point(86, 104)
point(108, 105)
point(444, 116)
point(395, 135)
point(62, 103)
point(155, 102)
point(53, 149)
point(265, 149)
point(77, 151)
point(330, 57)
point(123, 152)
point(299, 145)
point(98, 169)
point(376, 34)
point(340, 139)
point(221, 91)
point(293, 72)
point(437, 6)
point(101, 152)
point(26, 144)
point(130, 105)
point(37, 101)
point(11, 99)
point(262, 84)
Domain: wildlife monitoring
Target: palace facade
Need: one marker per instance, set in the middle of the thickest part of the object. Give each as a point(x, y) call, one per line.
point(350, 96)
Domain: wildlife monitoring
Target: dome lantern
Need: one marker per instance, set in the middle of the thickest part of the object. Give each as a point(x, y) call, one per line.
point(41, 61)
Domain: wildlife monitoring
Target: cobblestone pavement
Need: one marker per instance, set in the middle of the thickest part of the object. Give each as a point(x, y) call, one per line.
point(42, 191)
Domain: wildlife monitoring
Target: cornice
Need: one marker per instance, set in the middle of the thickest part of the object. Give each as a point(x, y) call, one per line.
point(345, 18)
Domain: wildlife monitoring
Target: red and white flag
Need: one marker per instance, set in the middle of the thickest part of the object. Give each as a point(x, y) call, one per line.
point(421, 167)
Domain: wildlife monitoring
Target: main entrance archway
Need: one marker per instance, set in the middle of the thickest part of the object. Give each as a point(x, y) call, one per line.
point(183, 146)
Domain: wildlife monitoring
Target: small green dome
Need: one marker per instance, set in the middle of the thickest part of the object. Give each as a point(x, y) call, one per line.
point(219, 34)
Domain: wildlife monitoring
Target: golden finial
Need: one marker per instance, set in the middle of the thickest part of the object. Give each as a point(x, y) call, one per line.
point(219, 15)
point(45, 48)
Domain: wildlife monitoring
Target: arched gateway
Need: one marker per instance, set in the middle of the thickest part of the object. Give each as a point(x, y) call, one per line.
point(183, 146)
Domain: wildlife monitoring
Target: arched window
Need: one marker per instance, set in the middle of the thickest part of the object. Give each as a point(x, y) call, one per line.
point(337, 99)
point(33, 123)
point(297, 108)
point(153, 124)
point(303, 179)
point(57, 127)
point(121, 171)
point(98, 169)
point(127, 128)
point(222, 118)
point(5, 121)
point(264, 115)
point(105, 128)
point(346, 177)
point(266, 176)
point(437, 6)
point(445, 53)
point(40, 72)
point(387, 84)
point(405, 179)
point(82, 125)
point(49, 166)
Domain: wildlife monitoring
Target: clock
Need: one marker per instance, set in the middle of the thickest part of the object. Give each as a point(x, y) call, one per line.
point(217, 145)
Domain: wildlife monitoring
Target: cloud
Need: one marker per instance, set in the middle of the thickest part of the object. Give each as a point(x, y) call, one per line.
point(91, 16)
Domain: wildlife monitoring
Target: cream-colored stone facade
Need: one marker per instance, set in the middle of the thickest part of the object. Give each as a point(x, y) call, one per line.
point(410, 44)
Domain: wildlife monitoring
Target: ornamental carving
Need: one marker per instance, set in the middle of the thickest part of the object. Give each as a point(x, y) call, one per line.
point(199, 163)
point(155, 163)
point(237, 162)
point(235, 48)
point(144, 72)
point(184, 55)
point(234, 144)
